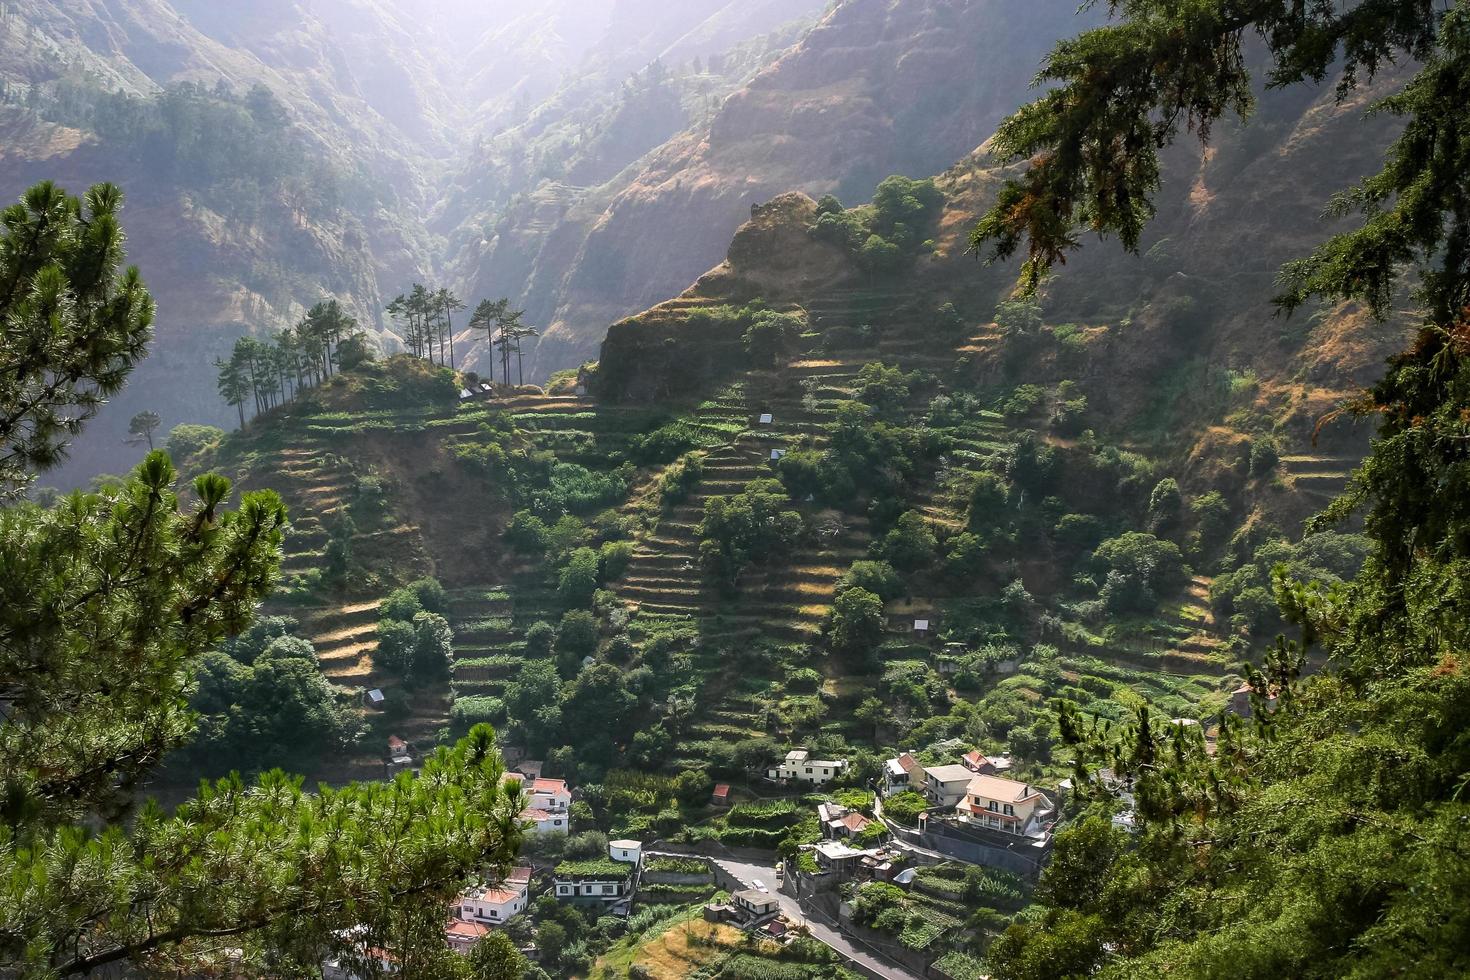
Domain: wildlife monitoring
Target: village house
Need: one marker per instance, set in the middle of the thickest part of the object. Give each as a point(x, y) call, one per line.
point(630, 851)
point(902, 774)
point(1002, 804)
point(799, 766)
point(611, 880)
point(721, 795)
point(551, 795)
point(753, 903)
point(545, 821)
point(842, 860)
point(839, 821)
point(600, 880)
point(946, 786)
point(479, 909)
point(976, 762)
point(463, 936)
point(492, 904)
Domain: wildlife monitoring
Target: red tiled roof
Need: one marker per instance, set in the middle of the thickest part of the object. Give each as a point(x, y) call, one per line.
point(908, 762)
point(549, 785)
point(722, 790)
point(466, 930)
point(535, 813)
point(519, 874)
point(498, 896)
point(855, 822)
point(975, 759)
point(394, 742)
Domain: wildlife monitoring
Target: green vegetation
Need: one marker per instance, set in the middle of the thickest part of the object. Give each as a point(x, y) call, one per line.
point(887, 234)
point(1330, 818)
point(109, 605)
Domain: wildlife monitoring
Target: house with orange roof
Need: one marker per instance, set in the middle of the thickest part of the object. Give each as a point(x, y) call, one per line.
point(1001, 804)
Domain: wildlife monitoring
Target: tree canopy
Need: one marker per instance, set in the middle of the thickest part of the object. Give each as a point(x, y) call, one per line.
point(109, 603)
point(1325, 838)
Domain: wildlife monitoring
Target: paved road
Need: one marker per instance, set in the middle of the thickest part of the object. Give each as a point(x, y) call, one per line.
point(747, 874)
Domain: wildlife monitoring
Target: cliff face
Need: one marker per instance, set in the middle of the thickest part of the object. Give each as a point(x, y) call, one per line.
point(877, 87)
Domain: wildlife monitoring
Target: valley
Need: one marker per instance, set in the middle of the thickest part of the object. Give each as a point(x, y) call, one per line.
point(724, 557)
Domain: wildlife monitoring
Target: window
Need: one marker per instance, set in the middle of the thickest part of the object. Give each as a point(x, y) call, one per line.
point(992, 806)
point(1010, 810)
point(609, 889)
point(494, 914)
point(808, 770)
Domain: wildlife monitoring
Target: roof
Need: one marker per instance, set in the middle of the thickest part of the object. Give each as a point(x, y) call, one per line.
point(854, 822)
point(836, 851)
point(596, 869)
point(466, 930)
point(394, 742)
point(976, 759)
point(908, 762)
point(722, 790)
point(1000, 788)
point(542, 785)
point(375, 695)
point(519, 874)
point(753, 896)
point(953, 773)
point(626, 845)
point(496, 896)
point(536, 813)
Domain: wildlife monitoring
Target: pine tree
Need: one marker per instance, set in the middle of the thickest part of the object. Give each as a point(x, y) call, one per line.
point(1327, 838)
point(73, 328)
point(108, 600)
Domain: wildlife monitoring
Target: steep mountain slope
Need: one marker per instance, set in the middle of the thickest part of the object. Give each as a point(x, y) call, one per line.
point(876, 88)
point(1152, 339)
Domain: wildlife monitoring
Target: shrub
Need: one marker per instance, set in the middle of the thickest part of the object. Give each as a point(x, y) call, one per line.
point(910, 543)
point(679, 480)
point(905, 808)
point(877, 577)
point(855, 623)
point(186, 440)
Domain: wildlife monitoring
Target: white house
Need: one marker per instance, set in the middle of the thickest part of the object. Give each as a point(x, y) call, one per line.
point(1001, 804)
point(602, 880)
point(903, 773)
point(754, 903)
point(545, 821)
point(629, 851)
point(492, 905)
point(799, 766)
point(550, 794)
point(946, 785)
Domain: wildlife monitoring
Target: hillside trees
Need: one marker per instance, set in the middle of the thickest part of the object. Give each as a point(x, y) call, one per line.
point(425, 318)
point(504, 331)
point(142, 426)
point(1327, 838)
point(108, 603)
point(272, 372)
point(754, 524)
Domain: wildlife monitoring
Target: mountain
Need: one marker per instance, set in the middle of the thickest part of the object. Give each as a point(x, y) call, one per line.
point(312, 155)
point(875, 88)
point(1154, 340)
